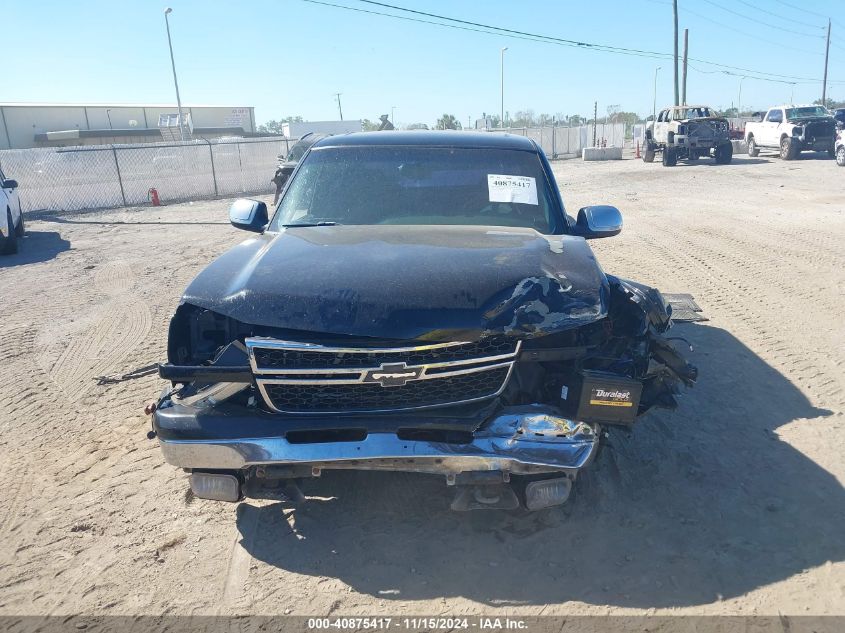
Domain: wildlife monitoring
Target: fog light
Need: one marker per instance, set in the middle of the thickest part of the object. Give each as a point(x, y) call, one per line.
point(547, 493)
point(216, 486)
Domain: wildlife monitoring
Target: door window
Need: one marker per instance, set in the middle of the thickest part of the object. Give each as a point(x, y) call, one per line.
point(775, 116)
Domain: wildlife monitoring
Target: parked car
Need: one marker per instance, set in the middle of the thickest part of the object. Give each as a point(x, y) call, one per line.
point(839, 117)
point(687, 133)
point(840, 148)
point(792, 130)
point(420, 301)
point(11, 217)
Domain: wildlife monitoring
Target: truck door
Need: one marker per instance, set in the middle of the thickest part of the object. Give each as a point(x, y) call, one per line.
point(771, 127)
point(661, 126)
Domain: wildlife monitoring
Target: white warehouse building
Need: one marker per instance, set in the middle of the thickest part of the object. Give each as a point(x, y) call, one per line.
point(24, 125)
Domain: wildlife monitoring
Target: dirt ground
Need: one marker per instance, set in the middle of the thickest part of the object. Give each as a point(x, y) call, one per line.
point(732, 505)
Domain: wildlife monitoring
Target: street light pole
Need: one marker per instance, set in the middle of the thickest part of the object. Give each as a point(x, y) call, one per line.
point(167, 12)
point(503, 86)
point(739, 99)
point(654, 107)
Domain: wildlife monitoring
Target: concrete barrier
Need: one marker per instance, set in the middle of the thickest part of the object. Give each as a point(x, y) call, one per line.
point(601, 153)
point(740, 147)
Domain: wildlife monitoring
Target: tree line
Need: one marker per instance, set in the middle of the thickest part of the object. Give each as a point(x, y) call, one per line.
point(528, 118)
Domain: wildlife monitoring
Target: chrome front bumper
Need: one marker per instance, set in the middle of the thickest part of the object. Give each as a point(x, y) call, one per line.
point(522, 440)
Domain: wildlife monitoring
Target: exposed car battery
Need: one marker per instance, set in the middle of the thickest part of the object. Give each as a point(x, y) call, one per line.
point(598, 396)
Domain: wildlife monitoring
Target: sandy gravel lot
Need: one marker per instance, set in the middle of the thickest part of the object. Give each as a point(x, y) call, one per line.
point(733, 505)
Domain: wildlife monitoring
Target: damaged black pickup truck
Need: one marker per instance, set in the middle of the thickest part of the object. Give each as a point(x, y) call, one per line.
point(417, 302)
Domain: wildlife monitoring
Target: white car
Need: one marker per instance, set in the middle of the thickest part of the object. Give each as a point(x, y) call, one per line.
point(11, 217)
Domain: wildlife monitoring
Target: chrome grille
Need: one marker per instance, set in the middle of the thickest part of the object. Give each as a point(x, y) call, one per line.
point(306, 378)
point(330, 398)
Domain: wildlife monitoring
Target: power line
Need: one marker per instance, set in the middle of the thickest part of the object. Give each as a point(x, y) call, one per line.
point(747, 34)
point(504, 30)
point(529, 37)
point(544, 39)
point(797, 8)
point(758, 21)
point(778, 16)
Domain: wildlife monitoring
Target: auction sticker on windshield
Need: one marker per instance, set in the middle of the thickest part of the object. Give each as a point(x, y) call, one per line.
point(522, 189)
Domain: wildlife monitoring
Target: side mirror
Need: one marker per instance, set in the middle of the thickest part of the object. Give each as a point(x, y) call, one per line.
point(598, 221)
point(10, 184)
point(248, 214)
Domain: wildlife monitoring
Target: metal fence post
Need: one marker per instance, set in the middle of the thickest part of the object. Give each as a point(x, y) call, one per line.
point(213, 172)
point(119, 177)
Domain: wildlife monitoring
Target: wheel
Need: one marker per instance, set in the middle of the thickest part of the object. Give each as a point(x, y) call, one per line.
point(788, 148)
point(840, 156)
point(670, 156)
point(648, 154)
point(753, 150)
point(724, 154)
point(19, 230)
point(9, 244)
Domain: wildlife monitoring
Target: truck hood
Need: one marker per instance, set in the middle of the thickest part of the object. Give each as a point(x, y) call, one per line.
point(406, 282)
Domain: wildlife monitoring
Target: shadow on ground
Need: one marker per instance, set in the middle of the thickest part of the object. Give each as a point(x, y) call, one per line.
point(737, 160)
point(34, 247)
point(702, 504)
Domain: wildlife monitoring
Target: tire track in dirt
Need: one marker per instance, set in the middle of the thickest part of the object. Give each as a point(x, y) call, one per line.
point(114, 331)
point(751, 308)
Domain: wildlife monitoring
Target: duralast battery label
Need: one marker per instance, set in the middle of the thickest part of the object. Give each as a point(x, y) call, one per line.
point(610, 397)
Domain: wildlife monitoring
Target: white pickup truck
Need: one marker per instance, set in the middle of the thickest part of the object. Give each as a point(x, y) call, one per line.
point(792, 129)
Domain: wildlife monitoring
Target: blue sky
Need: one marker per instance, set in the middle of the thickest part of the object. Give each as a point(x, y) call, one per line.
point(288, 57)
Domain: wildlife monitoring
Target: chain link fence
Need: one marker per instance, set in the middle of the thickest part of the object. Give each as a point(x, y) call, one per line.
point(561, 141)
point(102, 176)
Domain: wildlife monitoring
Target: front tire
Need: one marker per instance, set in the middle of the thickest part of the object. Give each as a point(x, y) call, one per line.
point(840, 156)
point(670, 156)
point(753, 150)
point(9, 244)
point(19, 229)
point(788, 148)
point(648, 154)
point(724, 154)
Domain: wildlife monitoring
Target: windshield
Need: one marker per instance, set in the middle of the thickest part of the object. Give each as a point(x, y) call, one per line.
point(692, 113)
point(804, 113)
point(420, 185)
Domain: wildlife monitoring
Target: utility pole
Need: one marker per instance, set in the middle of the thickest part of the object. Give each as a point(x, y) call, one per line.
point(684, 81)
point(339, 109)
point(675, 11)
point(826, 53)
point(654, 107)
point(595, 120)
point(502, 67)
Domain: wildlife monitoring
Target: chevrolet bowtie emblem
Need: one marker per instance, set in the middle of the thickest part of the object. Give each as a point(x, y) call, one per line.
point(393, 374)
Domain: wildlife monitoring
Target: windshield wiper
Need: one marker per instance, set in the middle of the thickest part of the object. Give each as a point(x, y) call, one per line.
point(321, 223)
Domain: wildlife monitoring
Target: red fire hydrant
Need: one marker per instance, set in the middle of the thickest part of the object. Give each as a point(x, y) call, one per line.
point(152, 196)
